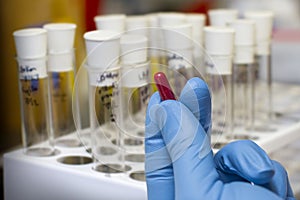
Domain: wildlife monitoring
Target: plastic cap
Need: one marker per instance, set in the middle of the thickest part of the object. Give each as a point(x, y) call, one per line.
point(137, 25)
point(133, 49)
point(220, 17)
point(103, 48)
point(198, 22)
point(114, 22)
point(263, 24)
point(244, 31)
point(31, 43)
point(171, 19)
point(219, 40)
point(60, 37)
point(178, 37)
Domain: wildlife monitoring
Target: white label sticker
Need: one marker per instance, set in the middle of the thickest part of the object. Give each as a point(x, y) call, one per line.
point(135, 76)
point(32, 69)
point(103, 78)
point(177, 61)
point(221, 65)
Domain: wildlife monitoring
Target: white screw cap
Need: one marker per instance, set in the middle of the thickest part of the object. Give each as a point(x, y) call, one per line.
point(137, 25)
point(198, 22)
point(219, 40)
point(60, 37)
point(263, 28)
point(244, 40)
point(113, 22)
point(31, 43)
point(219, 46)
point(220, 17)
point(178, 37)
point(103, 49)
point(133, 49)
point(171, 19)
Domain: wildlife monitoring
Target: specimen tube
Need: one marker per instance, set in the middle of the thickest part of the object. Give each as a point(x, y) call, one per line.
point(61, 80)
point(134, 89)
point(33, 88)
point(263, 93)
point(219, 48)
point(103, 51)
point(243, 73)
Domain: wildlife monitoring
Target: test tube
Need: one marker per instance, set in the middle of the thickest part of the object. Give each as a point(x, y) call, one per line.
point(243, 72)
point(219, 48)
point(102, 64)
point(179, 46)
point(31, 48)
point(135, 93)
point(197, 21)
point(110, 22)
point(61, 79)
point(220, 17)
point(263, 29)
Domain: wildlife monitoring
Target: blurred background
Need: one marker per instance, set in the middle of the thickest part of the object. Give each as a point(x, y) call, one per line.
point(17, 14)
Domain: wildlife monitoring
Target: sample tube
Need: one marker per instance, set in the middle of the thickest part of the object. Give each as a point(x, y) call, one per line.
point(243, 72)
point(135, 92)
point(220, 17)
point(198, 22)
point(103, 51)
point(179, 46)
point(33, 88)
point(263, 29)
point(219, 47)
point(61, 81)
point(112, 22)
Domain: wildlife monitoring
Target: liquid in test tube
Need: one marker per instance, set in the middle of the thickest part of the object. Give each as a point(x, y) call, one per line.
point(163, 86)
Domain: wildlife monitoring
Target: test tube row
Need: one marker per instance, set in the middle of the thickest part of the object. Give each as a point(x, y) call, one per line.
point(122, 56)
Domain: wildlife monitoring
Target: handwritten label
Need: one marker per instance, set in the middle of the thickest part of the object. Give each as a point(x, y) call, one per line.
point(102, 79)
point(32, 69)
point(178, 62)
point(137, 76)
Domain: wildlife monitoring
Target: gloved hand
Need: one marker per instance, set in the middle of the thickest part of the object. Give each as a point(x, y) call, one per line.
point(180, 163)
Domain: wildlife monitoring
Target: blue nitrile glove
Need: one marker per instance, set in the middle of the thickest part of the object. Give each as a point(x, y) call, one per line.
point(180, 163)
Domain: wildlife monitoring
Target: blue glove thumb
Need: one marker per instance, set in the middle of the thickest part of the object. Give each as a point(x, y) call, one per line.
point(247, 160)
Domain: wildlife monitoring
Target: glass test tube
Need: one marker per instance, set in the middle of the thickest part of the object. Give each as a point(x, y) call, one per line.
point(61, 81)
point(263, 92)
point(179, 48)
point(219, 47)
point(135, 91)
point(243, 72)
point(103, 49)
point(33, 88)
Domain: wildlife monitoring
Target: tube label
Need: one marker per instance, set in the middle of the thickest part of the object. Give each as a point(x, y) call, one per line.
point(136, 76)
point(219, 65)
point(32, 69)
point(100, 79)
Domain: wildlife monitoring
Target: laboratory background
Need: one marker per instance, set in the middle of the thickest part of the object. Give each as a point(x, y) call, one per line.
point(273, 91)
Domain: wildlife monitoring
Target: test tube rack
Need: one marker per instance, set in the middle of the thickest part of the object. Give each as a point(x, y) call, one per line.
point(57, 177)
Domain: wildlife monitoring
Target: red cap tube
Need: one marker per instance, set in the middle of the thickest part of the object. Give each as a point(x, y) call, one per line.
point(163, 87)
